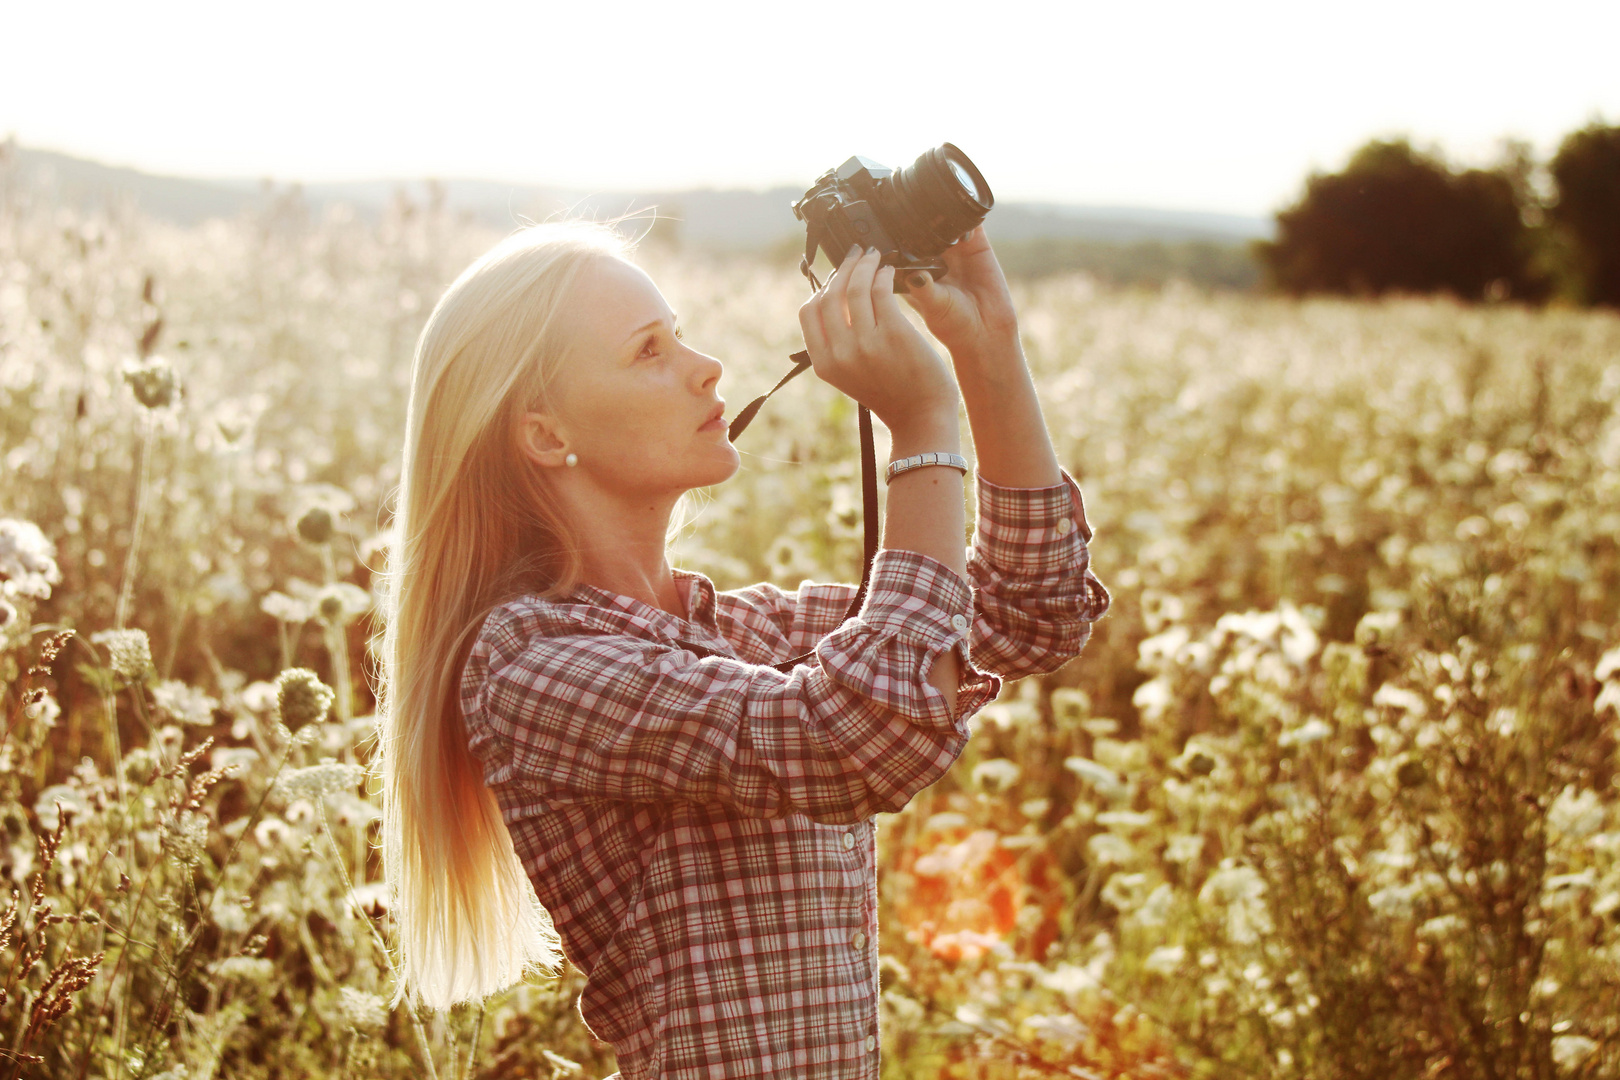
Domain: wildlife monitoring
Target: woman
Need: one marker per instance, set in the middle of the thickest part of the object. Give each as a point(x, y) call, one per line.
point(567, 718)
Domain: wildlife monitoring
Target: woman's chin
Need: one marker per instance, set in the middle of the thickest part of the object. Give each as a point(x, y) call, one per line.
point(721, 468)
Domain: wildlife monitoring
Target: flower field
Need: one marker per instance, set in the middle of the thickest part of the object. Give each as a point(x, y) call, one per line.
point(1332, 792)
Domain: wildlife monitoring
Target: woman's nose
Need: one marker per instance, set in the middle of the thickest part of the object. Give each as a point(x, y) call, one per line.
point(706, 370)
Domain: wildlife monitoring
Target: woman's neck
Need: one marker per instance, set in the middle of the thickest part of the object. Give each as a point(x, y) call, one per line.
point(623, 542)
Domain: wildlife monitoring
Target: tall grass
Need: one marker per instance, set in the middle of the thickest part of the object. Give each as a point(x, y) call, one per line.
point(1330, 794)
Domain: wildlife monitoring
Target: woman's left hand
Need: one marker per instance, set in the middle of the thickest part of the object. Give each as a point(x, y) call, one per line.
point(970, 311)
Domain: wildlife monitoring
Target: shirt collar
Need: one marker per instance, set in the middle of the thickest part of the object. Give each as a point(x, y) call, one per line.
point(700, 606)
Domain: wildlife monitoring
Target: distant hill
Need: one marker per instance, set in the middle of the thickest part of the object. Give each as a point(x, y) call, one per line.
point(706, 219)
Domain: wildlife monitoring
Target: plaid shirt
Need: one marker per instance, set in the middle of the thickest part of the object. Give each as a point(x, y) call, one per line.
point(699, 825)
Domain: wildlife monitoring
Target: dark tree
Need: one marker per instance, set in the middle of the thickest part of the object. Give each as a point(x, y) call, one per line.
point(1586, 212)
point(1398, 220)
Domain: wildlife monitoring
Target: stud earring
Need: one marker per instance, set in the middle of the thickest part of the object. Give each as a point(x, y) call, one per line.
point(571, 460)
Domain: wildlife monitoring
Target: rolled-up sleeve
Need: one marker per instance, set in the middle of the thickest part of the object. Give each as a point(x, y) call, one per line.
point(585, 716)
point(1030, 565)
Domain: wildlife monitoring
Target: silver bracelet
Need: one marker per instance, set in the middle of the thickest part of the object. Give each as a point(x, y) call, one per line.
point(917, 461)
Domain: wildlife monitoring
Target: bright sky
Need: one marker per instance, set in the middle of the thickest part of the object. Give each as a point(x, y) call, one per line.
point(1184, 105)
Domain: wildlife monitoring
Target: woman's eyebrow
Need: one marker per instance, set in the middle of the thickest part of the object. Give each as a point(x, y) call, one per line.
point(638, 331)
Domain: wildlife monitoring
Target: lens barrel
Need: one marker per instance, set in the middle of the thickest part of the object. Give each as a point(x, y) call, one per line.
point(933, 201)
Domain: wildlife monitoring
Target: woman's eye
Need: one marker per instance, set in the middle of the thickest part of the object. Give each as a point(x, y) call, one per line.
point(651, 348)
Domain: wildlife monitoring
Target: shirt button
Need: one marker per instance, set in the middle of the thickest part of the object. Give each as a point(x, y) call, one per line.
point(859, 940)
point(849, 840)
point(959, 621)
point(871, 1043)
point(1063, 526)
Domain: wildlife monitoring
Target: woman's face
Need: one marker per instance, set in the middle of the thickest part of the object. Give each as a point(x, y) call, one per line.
point(635, 403)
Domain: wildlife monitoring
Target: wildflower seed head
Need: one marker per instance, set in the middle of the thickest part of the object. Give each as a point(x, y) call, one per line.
point(27, 561)
point(316, 525)
point(129, 651)
point(154, 382)
point(1411, 773)
point(302, 698)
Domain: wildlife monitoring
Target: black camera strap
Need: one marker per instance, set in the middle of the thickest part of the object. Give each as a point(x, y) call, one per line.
point(869, 492)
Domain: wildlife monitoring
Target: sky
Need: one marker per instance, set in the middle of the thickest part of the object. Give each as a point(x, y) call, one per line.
point(1195, 106)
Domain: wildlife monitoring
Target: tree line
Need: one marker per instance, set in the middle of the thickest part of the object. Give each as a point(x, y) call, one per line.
point(1400, 219)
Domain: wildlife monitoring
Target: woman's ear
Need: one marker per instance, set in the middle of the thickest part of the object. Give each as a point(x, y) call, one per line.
point(540, 440)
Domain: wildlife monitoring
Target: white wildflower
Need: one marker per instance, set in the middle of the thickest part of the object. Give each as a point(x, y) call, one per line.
point(72, 800)
point(242, 757)
point(1069, 979)
point(259, 696)
point(27, 561)
point(184, 703)
point(1062, 1029)
point(1184, 849)
point(1160, 651)
point(1232, 883)
point(1608, 666)
point(1312, 730)
point(1609, 699)
point(186, 836)
point(1102, 779)
point(1576, 814)
point(1441, 927)
point(1124, 820)
point(287, 609)
point(43, 712)
point(271, 832)
point(351, 810)
point(364, 1012)
point(253, 969)
point(341, 603)
point(1125, 892)
point(1377, 627)
point(1110, 849)
point(1569, 1051)
point(1395, 697)
point(326, 778)
point(1153, 698)
point(129, 652)
point(1165, 960)
point(996, 775)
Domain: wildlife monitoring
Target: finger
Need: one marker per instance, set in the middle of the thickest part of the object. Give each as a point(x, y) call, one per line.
point(862, 316)
point(884, 304)
point(974, 245)
point(925, 294)
point(836, 288)
point(815, 338)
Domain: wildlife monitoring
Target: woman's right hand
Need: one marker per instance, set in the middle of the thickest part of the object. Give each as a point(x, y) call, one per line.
point(860, 342)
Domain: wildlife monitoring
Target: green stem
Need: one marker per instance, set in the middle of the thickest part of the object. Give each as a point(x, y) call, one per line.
point(126, 588)
point(382, 946)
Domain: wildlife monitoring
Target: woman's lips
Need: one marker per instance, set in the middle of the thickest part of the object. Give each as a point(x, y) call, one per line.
point(716, 420)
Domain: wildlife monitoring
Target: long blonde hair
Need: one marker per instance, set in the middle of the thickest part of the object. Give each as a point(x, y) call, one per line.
point(474, 524)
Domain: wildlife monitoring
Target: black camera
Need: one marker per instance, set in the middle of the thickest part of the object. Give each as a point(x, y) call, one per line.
point(910, 215)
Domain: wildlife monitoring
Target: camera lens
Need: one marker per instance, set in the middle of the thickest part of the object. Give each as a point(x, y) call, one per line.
point(934, 200)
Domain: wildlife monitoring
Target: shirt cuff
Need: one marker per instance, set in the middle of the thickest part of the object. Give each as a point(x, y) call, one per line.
point(923, 603)
point(1031, 531)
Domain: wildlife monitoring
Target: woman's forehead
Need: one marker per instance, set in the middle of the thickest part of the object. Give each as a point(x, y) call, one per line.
point(614, 299)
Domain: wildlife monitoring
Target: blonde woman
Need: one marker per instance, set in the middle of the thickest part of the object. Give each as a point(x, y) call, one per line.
point(589, 750)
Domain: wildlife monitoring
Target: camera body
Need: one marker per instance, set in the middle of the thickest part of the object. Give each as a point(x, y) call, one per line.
point(910, 215)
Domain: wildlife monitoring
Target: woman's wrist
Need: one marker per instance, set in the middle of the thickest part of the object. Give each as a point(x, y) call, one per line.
point(938, 431)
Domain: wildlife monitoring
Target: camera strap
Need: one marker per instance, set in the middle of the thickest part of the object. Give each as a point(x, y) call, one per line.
point(869, 492)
